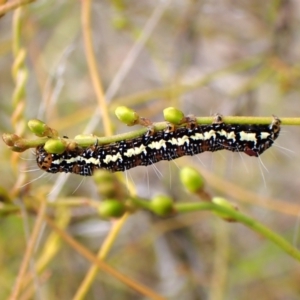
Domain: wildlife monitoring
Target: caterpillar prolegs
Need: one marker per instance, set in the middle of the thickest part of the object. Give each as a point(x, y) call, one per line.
point(167, 144)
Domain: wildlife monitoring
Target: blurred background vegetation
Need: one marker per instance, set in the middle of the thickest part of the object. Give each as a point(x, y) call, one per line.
point(205, 56)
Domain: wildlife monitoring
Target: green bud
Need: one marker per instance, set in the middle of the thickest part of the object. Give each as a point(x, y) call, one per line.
point(37, 127)
point(162, 205)
point(226, 204)
point(191, 179)
point(111, 208)
point(40, 129)
point(126, 115)
point(173, 115)
point(55, 146)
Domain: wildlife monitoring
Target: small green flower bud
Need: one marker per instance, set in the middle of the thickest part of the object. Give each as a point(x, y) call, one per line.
point(191, 179)
point(126, 115)
point(162, 205)
point(111, 208)
point(40, 129)
point(55, 146)
point(173, 115)
point(37, 127)
point(226, 204)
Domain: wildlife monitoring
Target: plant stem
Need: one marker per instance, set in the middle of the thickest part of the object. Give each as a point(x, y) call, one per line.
point(251, 223)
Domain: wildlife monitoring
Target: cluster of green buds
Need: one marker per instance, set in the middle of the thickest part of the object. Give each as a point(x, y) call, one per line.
point(113, 206)
point(191, 179)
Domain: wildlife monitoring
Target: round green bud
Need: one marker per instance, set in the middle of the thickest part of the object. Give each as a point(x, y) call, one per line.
point(173, 115)
point(111, 208)
point(126, 115)
point(162, 205)
point(37, 127)
point(191, 179)
point(226, 204)
point(55, 146)
point(40, 129)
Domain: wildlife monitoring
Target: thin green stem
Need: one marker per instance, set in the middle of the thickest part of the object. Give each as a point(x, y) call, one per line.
point(251, 223)
point(90, 140)
point(141, 203)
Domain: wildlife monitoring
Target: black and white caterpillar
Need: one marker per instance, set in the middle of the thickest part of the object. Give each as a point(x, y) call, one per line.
point(167, 144)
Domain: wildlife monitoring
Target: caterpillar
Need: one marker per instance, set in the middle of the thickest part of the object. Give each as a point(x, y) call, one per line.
point(167, 144)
